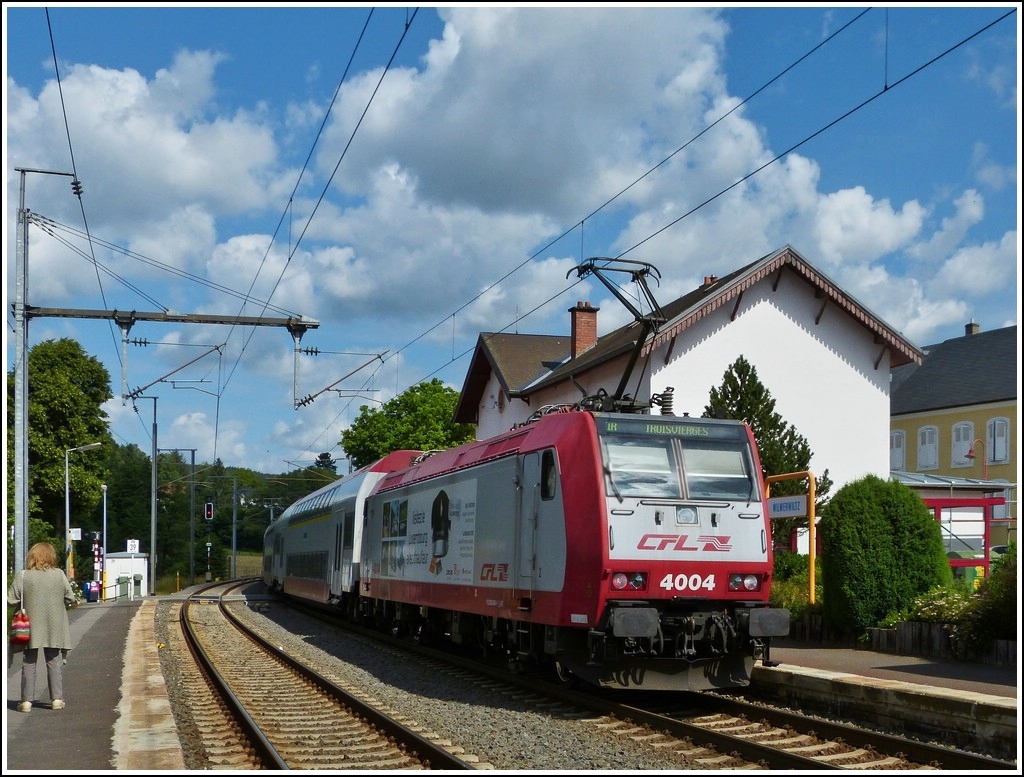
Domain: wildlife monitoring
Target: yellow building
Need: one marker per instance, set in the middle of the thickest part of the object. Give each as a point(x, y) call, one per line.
point(954, 418)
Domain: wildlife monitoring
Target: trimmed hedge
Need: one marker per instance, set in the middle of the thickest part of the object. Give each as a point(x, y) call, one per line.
point(881, 548)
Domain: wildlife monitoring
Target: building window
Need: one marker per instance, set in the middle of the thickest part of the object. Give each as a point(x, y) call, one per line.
point(997, 443)
point(927, 448)
point(963, 439)
point(897, 450)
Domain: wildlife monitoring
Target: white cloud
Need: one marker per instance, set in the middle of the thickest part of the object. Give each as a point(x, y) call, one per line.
point(970, 209)
point(852, 225)
point(977, 270)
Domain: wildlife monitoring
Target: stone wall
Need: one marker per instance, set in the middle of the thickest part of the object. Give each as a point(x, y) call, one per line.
point(932, 640)
point(911, 638)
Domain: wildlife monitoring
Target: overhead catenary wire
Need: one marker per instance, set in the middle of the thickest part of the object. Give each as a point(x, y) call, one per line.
point(76, 185)
point(323, 193)
point(291, 198)
point(579, 224)
point(54, 229)
point(246, 297)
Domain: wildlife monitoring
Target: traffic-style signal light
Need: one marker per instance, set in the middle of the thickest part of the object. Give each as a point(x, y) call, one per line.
point(209, 511)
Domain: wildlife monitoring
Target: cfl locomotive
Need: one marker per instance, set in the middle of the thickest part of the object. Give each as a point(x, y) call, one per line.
point(626, 550)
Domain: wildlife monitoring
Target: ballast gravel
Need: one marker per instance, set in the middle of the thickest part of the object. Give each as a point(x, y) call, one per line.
point(493, 728)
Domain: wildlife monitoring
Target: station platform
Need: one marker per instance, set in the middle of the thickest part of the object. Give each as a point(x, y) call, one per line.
point(118, 715)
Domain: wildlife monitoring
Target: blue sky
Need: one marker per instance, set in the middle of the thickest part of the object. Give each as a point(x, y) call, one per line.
point(461, 162)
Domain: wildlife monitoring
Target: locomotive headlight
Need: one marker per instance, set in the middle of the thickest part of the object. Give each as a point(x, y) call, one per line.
point(744, 583)
point(632, 581)
point(686, 515)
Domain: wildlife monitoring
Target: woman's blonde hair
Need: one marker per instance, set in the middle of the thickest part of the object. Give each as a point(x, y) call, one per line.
point(42, 555)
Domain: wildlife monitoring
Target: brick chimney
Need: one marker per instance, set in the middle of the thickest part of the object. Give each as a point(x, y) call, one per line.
point(971, 328)
point(584, 327)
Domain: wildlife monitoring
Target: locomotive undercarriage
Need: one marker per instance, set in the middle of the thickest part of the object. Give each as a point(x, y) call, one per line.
point(634, 646)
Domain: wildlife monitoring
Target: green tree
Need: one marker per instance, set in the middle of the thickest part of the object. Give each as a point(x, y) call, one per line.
point(66, 391)
point(325, 461)
point(420, 418)
point(881, 549)
point(782, 449)
point(270, 496)
point(175, 519)
point(129, 478)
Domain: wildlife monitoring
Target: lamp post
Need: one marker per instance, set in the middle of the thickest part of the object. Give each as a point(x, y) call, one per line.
point(103, 551)
point(67, 501)
point(984, 459)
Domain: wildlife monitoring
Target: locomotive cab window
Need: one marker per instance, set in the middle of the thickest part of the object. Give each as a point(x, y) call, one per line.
point(641, 466)
point(696, 462)
point(549, 475)
point(719, 472)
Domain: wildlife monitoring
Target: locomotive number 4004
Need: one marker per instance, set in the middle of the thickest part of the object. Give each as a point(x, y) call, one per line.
point(687, 582)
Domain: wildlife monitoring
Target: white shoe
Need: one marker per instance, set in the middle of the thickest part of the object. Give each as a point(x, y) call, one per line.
point(25, 706)
point(57, 704)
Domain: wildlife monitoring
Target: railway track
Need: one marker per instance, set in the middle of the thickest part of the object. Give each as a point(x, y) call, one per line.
point(763, 721)
point(687, 731)
point(793, 740)
point(709, 730)
point(734, 733)
point(255, 708)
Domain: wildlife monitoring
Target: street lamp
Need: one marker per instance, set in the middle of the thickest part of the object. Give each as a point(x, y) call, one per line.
point(67, 502)
point(984, 459)
point(103, 558)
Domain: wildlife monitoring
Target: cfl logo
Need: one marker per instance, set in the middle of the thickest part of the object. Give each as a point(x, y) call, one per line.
point(496, 573)
point(678, 542)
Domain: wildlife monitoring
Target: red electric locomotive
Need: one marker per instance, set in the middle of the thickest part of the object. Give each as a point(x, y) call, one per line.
point(621, 548)
point(626, 550)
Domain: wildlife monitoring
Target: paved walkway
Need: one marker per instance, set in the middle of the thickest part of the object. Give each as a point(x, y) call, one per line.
point(938, 673)
point(118, 715)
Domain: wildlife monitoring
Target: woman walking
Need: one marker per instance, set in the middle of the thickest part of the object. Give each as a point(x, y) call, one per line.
point(43, 591)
